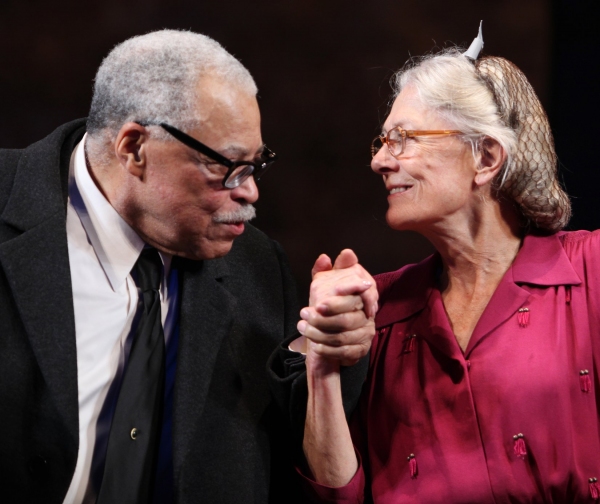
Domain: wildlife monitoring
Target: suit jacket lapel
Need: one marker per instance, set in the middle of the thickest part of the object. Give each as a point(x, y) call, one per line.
point(36, 264)
point(206, 315)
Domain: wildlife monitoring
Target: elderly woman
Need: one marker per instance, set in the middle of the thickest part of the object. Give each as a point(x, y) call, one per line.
point(484, 373)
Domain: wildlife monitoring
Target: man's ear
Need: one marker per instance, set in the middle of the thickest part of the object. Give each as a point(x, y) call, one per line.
point(130, 148)
point(492, 157)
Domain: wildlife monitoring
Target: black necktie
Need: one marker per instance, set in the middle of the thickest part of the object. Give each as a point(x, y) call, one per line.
point(135, 430)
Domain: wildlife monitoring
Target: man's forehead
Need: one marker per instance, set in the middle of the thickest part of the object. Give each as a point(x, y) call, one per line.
point(228, 118)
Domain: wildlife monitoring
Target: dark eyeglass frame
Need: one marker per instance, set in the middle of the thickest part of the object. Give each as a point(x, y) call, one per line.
point(404, 134)
point(257, 168)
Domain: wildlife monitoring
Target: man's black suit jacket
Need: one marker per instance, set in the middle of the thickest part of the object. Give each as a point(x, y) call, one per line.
point(229, 443)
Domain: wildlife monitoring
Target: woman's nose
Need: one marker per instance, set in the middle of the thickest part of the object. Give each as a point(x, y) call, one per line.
point(383, 161)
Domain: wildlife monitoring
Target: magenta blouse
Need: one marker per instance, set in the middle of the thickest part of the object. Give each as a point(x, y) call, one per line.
point(513, 419)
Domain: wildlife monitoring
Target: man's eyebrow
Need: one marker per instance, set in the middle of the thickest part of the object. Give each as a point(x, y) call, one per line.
point(237, 151)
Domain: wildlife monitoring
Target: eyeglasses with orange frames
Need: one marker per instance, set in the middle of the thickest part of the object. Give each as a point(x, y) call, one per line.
point(395, 139)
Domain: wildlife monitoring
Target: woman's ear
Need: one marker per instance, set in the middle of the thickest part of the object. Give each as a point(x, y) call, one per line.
point(129, 148)
point(491, 160)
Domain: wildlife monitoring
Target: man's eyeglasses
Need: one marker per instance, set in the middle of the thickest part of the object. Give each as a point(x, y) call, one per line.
point(237, 171)
point(396, 139)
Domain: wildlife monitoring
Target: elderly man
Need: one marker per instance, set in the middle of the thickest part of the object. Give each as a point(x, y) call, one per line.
point(134, 333)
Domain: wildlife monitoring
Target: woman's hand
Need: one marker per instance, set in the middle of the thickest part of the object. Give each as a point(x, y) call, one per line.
point(338, 326)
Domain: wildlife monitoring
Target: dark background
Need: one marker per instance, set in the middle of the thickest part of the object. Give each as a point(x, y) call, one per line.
point(322, 68)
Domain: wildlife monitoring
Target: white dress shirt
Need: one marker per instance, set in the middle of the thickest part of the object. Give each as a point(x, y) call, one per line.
point(103, 249)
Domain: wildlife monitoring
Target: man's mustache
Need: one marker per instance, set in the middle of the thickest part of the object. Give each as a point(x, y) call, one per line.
point(242, 214)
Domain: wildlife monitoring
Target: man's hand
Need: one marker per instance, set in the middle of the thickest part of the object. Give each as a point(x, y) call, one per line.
point(339, 321)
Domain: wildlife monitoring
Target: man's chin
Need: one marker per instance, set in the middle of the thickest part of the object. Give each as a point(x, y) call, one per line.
point(208, 251)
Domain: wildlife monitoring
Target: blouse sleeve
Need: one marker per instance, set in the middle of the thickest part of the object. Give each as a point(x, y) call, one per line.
point(352, 493)
point(583, 250)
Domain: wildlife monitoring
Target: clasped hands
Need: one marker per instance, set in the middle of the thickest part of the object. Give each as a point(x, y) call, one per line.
point(339, 323)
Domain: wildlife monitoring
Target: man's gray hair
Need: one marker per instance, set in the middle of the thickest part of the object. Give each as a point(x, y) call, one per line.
point(492, 97)
point(153, 78)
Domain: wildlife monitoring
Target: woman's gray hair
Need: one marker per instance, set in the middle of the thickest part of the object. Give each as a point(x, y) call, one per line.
point(153, 78)
point(491, 97)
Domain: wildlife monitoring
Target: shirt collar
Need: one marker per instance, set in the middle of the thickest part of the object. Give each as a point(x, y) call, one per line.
point(541, 261)
point(115, 243)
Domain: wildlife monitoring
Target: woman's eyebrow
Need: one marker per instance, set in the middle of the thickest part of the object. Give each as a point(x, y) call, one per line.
point(400, 123)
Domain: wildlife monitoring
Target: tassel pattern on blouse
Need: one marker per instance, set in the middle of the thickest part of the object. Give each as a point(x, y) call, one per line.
point(523, 317)
point(412, 464)
point(594, 488)
point(584, 380)
point(519, 445)
point(409, 343)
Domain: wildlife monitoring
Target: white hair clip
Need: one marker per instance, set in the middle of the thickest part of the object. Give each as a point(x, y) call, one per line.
point(476, 46)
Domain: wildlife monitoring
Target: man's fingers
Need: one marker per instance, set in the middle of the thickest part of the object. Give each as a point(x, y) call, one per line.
point(341, 323)
point(345, 259)
point(323, 263)
point(369, 299)
point(335, 305)
point(363, 334)
point(353, 285)
point(357, 286)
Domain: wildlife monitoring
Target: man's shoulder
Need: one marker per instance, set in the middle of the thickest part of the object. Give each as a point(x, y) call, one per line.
point(56, 137)
point(9, 158)
point(69, 133)
point(35, 177)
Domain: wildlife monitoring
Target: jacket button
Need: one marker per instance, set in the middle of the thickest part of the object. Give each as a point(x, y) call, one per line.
point(38, 466)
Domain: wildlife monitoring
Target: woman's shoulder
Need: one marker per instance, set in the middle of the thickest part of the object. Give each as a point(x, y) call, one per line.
point(582, 249)
point(385, 280)
point(580, 235)
point(580, 242)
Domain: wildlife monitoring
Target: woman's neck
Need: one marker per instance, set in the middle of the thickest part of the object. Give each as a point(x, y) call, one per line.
point(479, 247)
point(476, 252)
